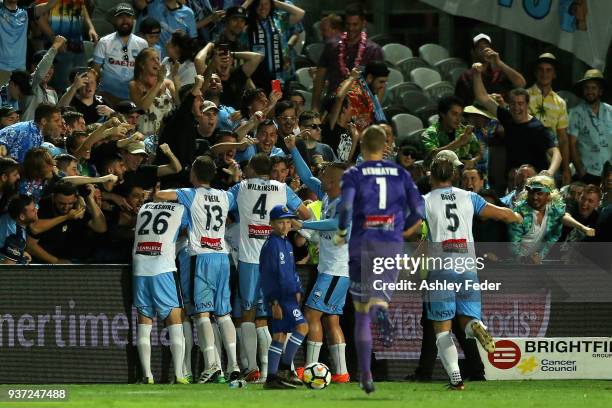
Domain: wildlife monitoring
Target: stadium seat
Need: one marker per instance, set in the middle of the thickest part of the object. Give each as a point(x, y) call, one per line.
point(414, 100)
point(395, 78)
point(439, 90)
point(301, 61)
point(427, 111)
point(424, 77)
point(88, 49)
point(307, 97)
point(406, 123)
point(299, 45)
point(570, 98)
point(445, 66)
point(433, 119)
point(433, 53)
point(313, 51)
point(392, 110)
point(395, 52)
point(382, 39)
point(408, 64)
point(454, 75)
point(393, 94)
point(304, 78)
point(316, 28)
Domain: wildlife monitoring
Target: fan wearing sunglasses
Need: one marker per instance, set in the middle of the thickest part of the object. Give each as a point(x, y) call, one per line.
point(311, 122)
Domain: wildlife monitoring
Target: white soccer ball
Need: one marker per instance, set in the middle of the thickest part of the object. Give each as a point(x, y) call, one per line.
point(317, 376)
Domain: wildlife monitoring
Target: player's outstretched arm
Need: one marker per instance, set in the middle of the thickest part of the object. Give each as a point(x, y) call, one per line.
point(506, 215)
point(165, 195)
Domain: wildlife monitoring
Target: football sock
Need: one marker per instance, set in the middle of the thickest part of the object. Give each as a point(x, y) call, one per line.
point(207, 341)
point(244, 361)
point(228, 334)
point(249, 340)
point(449, 356)
point(294, 343)
point(188, 333)
point(218, 349)
point(363, 344)
point(177, 348)
point(338, 357)
point(313, 349)
point(144, 348)
point(263, 342)
point(287, 337)
point(274, 356)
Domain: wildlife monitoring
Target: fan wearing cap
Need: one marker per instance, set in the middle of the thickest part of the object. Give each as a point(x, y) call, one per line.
point(498, 77)
point(590, 127)
point(546, 105)
point(485, 129)
point(544, 216)
point(116, 53)
point(43, 69)
point(283, 292)
point(233, 33)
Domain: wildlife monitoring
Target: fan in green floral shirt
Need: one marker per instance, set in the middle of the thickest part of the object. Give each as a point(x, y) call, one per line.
point(467, 148)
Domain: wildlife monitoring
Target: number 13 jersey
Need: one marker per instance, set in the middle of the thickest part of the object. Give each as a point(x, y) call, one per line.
point(207, 208)
point(255, 198)
point(157, 229)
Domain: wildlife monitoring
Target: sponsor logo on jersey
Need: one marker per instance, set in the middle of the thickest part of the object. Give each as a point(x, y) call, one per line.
point(455, 245)
point(211, 243)
point(149, 248)
point(259, 231)
point(380, 222)
point(121, 63)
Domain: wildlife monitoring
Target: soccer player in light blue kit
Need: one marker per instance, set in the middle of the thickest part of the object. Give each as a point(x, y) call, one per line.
point(209, 289)
point(381, 201)
point(327, 298)
point(155, 291)
point(449, 212)
point(283, 291)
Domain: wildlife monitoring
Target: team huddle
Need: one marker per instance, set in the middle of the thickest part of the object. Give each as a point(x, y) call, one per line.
point(368, 208)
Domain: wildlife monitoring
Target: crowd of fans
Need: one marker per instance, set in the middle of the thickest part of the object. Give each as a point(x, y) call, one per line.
point(85, 143)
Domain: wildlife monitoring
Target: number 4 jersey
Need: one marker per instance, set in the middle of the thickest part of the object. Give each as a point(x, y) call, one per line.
point(157, 229)
point(207, 208)
point(255, 198)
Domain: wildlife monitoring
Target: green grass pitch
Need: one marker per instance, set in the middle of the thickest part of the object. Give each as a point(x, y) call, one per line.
point(512, 394)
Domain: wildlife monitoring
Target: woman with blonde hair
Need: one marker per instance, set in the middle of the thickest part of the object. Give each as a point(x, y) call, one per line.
point(153, 93)
point(543, 212)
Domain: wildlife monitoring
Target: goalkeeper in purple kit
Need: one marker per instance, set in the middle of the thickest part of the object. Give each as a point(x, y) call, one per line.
point(381, 201)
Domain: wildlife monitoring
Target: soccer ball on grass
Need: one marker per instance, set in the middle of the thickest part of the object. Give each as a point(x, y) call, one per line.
point(317, 376)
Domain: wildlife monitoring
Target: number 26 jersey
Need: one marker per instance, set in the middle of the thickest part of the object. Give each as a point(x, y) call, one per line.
point(157, 229)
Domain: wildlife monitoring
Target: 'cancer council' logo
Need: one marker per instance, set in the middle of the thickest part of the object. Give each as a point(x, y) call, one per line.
point(507, 354)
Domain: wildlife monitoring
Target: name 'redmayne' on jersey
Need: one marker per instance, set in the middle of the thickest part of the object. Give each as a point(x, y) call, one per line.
point(380, 171)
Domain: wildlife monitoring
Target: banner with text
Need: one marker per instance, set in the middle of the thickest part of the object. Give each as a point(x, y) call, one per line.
point(559, 358)
point(582, 27)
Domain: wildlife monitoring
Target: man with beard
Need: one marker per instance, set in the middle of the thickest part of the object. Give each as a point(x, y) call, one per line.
point(9, 176)
point(234, 24)
point(116, 53)
point(17, 139)
point(352, 50)
point(590, 129)
point(227, 116)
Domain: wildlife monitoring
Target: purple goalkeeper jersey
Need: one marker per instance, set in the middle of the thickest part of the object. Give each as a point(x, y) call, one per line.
point(381, 200)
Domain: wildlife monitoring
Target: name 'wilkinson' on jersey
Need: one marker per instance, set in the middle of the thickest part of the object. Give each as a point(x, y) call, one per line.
point(264, 187)
point(379, 171)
